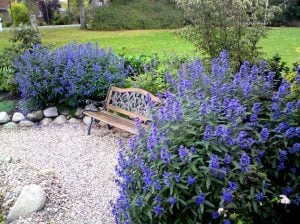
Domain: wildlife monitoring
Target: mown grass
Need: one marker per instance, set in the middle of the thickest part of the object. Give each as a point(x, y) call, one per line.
point(131, 42)
point(284, 41)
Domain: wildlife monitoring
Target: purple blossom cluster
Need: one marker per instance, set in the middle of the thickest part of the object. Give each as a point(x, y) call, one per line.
point(216, 132)
point(68, 75)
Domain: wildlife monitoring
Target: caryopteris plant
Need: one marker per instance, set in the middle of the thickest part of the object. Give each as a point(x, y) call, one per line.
point(222, 148)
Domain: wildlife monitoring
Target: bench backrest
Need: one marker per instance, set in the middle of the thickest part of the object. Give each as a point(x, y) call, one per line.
point(130, 101)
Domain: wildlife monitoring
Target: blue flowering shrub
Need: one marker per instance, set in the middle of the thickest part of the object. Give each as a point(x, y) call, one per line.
point(68, 75)
point(223, 148)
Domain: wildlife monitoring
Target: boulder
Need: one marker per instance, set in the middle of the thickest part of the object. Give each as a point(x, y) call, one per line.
point(4, 118)
point(26, 124)
point(61, 119)
point(47, 172)
point(74, 121)
point(18, 117)
point(91, 107)
point(78, 112)
point(6, 159)
point(10, 125)
point(31, 199)
point(46, 121)
point(87, 120)
point(51, 112)
point(35, 116)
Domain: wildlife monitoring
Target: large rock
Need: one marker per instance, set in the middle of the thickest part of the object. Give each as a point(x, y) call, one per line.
point(10, 125)
point(47, 172)
point(26, 124)
point(51, 112)
point(79, 113)
point(4, 118)
point(35, 116)
point(87, 120)
point(4, 158)
point(61, 119)
point(31, 199)
point(18, 117)
point(91, 107)
point(74, 121)
point(46, 121)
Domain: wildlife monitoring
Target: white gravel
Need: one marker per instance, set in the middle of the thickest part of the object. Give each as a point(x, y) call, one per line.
point(76, 170)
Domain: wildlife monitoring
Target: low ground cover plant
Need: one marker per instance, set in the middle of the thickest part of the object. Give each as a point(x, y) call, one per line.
point(68, 75)
point(223, 148)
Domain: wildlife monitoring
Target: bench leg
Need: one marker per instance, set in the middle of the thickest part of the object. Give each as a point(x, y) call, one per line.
point(109, 127)
point(90, 126)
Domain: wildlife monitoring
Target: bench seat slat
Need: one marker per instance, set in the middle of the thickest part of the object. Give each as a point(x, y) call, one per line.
point(114, 120)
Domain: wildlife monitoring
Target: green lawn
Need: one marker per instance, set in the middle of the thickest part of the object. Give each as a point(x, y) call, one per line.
point(285, 41)
point(128, 42)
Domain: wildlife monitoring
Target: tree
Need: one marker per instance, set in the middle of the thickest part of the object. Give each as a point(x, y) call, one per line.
point(233, 25)
point(82, 14)
point(32, 11)
point(48, 7)
point(290, 14)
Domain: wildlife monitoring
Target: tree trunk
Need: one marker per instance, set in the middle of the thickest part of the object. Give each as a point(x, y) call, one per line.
point(82, 14)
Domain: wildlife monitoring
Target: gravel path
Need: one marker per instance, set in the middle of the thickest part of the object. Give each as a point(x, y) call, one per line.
point(76, 170)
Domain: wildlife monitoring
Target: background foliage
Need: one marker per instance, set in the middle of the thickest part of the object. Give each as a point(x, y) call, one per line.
point(235, 26)
point(136, 14)
point(19, 12)
point(289, 15)
point(22, 38)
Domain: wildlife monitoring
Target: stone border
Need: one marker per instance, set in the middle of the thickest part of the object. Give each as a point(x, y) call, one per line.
point(47, 117)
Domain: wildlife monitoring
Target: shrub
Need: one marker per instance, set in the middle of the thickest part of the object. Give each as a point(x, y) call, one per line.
point(68, 75)
point(235, 26)
point(223, 148)
point(148, 72)
point(19, 13)
point(136, 14)
point(23, 38)
point(289, 15)
point(59, 19)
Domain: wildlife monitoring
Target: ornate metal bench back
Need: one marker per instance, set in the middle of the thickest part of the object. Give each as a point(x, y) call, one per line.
point(130, 101)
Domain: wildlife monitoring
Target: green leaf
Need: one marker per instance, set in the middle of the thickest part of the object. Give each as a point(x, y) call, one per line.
point(252, 192)
point(202, 208)
point(181, 186)
point(149, 214)
point(194, 169)
point(207, 182)
point(209, 204)
point(183, 202)
point(254, 206)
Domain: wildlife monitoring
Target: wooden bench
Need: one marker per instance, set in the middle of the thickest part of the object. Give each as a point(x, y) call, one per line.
point(131, 102)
